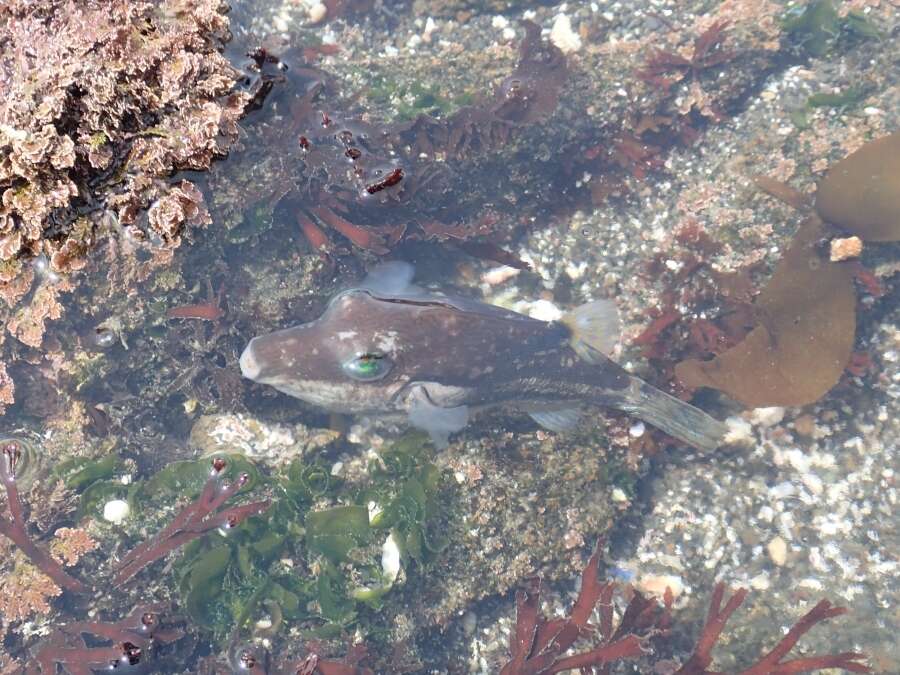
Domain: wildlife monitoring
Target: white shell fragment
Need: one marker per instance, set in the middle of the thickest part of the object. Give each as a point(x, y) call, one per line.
point(390, 560)
point(115, 511)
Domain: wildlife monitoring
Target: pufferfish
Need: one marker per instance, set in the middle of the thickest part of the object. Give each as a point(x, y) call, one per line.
point(388, 347)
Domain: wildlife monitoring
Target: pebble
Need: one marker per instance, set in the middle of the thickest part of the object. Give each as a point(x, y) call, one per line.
point(116, 511)
point(563, 36)
point(739, 432)
point(469, 623)
point(767, 417)
point(805, 425)
point(317, 13)
point(656, 584)
point(845, 248)
point(777, 549)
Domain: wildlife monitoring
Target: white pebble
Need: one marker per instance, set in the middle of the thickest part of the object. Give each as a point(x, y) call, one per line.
point(563, 36)
point(656, 584)
point(760, 582)
point(777, 549)
point(618, 495)
point(544, 310)
point(390, 560)
point(767, 417)
point(115, 511)
point(430, 27)
point(739, 432)
point(317, 13)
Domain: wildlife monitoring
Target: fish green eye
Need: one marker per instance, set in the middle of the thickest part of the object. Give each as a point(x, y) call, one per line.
point(367, 367)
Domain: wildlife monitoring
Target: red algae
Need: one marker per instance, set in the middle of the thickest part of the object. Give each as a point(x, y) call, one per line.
point(538, 644)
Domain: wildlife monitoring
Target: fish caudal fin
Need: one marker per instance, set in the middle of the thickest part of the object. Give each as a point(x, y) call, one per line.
point(675, 417)
point(595, 327)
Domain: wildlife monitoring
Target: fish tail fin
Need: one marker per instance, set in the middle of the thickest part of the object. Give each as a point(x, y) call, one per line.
point(675, 417)
point(595, 327)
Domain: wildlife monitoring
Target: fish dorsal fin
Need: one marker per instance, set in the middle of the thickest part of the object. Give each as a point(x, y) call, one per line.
point(392, 278)
point(437, 421)
point(595, 329)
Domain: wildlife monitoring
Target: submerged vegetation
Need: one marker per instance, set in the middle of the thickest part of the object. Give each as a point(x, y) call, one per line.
point(805, 316)
point(282, 565)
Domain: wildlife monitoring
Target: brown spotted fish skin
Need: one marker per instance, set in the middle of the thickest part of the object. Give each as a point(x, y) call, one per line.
point(438, 357)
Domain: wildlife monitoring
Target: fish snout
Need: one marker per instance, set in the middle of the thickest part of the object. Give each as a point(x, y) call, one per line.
point(250, 367)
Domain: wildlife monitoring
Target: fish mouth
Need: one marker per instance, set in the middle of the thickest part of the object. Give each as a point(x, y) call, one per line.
point(250, 367)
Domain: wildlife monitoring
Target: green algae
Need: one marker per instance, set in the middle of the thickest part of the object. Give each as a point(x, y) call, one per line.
point(818, 29)
point(77, 473)
point(314, 557)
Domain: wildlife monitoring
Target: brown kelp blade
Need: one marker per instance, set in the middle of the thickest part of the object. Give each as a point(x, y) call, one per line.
point(807, 323)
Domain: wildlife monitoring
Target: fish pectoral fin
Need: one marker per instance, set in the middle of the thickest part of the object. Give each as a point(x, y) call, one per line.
point(437, 421)
point(559, 421)
point(595, 328)
point(391, 278)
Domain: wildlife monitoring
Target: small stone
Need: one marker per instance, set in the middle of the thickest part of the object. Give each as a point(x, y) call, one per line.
point(469, 623)
point(618, 495)
point(544, 310)
point(390, 559)
point(656, 584)
point(563, 36)
point(317, 13)
point(116, 511)
point(805, 425)
point(777, 549)
point(497, 275)
point(739, 432)
point(760, 582)
point(845, 248)
point(767, 417)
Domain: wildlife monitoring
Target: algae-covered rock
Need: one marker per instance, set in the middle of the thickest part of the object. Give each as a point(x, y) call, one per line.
point(861, 193)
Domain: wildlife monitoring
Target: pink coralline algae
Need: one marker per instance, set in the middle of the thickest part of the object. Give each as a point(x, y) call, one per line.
point(100, 102)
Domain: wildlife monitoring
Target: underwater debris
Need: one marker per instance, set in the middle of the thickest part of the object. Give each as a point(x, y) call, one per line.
point(14, 527)
point(194, 520)
point(538, 644)
point(805, 326)
point(133, 642)
point(861, 193)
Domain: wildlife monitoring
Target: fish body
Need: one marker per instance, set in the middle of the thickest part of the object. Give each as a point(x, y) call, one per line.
point(389, 347)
